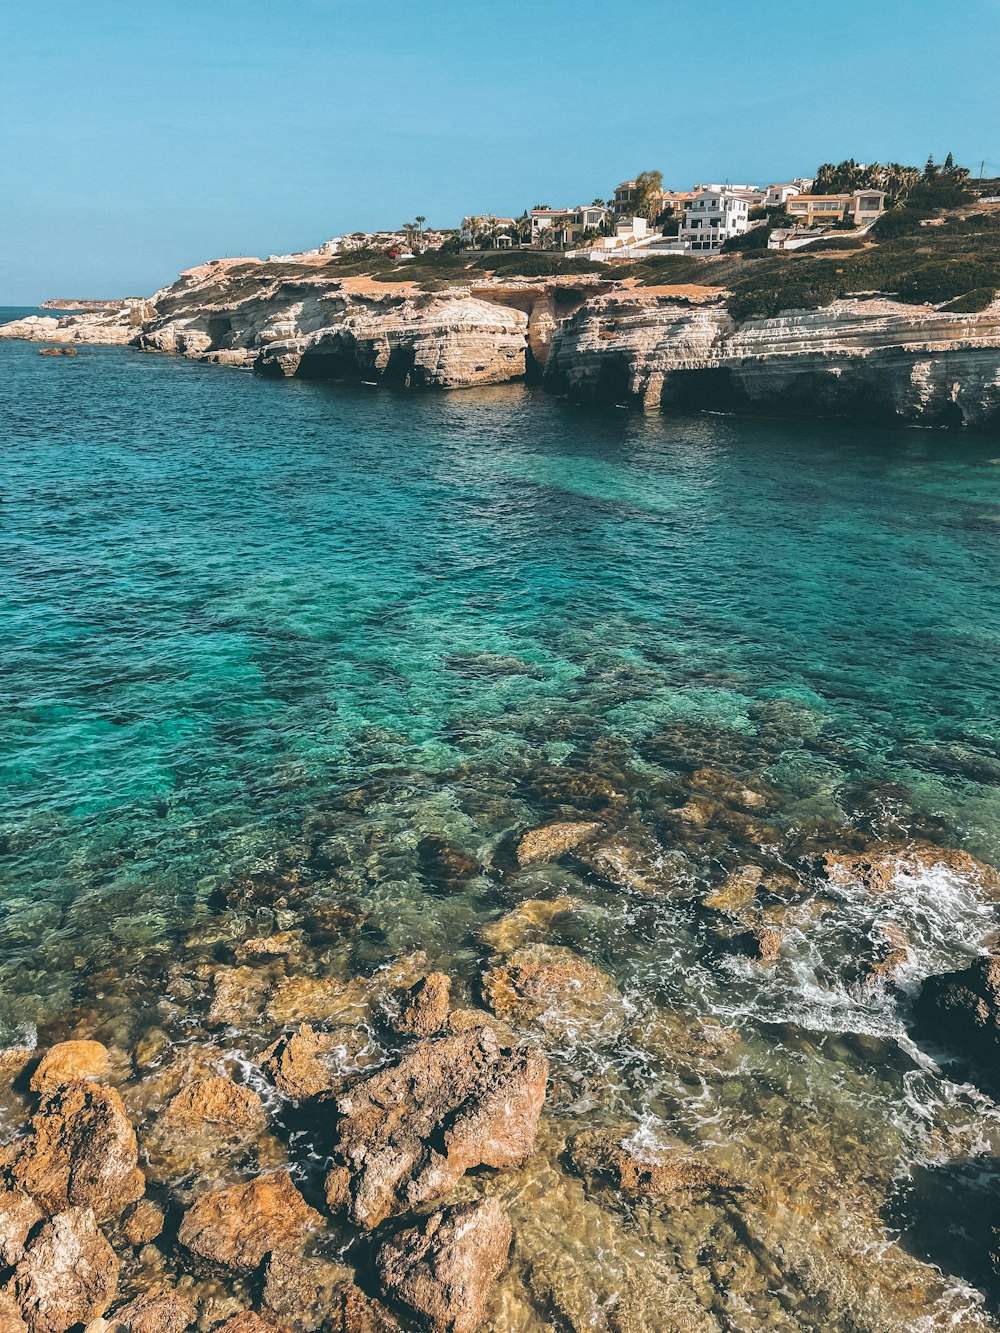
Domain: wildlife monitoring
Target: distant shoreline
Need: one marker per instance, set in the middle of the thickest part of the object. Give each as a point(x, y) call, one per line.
point(62, 303)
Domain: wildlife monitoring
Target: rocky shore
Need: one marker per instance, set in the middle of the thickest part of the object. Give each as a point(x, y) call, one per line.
point(589, 337)
point(283, 1144)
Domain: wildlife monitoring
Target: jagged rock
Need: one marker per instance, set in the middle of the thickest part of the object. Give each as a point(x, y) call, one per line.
point(155, 1312)
point(699, 811)
point(877, 867)
point(444, 864)
point(318, 999)
point(19, 1215)
point(239, 1226)
point(238, 996)
point(69, 1061)
point(654, 1170)
point(307, 1063)
point(248, 1322)
point(962, 1008)
point(12, 1060)
point(529, 921)
point(407, 1133)
point(68, 1274)
point(423, 1009)
point(10, 1314)
point(357, 1312)
point(554, 840)
point(554, 988)
point(445, 1268)
point(82, 1151)
point(760, 942)
point(634, 861)
point(142, 1223)
point(300, 1292)
point(737, 890)
point(234, 1108)
point(282, 944)
point(732, 790)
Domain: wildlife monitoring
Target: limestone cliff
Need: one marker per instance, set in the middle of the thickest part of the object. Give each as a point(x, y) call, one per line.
point(589, 337)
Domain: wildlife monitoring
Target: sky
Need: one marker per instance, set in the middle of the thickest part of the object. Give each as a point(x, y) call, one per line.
point(140, 138)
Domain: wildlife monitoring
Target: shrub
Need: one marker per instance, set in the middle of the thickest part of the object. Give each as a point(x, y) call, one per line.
point(972, 302)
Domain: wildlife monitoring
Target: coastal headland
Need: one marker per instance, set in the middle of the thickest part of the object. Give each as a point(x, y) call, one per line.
point(873, 330)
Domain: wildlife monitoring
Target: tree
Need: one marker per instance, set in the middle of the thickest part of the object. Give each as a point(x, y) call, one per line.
point(420, 222)
point(648, 193)
point(411, 231)
point(470, 227)
point(930, 168)
point(949, 165)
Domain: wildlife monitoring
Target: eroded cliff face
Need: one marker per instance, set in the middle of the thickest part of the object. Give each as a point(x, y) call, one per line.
point(662, 347)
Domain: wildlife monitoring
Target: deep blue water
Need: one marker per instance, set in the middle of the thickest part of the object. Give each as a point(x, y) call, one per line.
point(228, 603)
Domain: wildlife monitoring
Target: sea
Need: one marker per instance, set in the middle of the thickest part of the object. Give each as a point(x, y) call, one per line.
point(283, 656)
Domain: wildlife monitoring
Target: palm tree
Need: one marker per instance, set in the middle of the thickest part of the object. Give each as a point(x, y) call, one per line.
point(411, 231)
point(420, 221)
point(470, 226)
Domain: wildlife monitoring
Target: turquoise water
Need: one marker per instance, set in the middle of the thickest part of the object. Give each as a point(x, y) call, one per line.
point(230, 605)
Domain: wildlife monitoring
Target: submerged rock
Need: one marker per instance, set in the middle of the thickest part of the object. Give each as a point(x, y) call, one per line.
point(962, 1008)
point(555, 988)
point(215, 1101)
point(154, 1312)
point(445, 864)
point(445, 1268)
point(736, 892)
point(408, 1133)
point(422, 1010)
point(551, 841)
point(19, 1215)
point(733, 790)
point(634, 861)
point(642, 1170)
point(300, 1292)
point(69, 1061)
point(530, 920)
point(877, 866)
point(68, 1274)
point(307, 1063)
point(82, 1151)
point(239, 1226)
point(143, 1222)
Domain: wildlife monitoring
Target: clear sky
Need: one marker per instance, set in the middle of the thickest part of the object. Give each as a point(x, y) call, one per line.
point(139, 137)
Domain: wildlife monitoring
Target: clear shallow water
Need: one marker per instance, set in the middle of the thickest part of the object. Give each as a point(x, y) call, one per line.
point(251, 628)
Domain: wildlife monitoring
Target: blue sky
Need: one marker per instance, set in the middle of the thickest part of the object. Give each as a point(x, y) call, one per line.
point(137, 139)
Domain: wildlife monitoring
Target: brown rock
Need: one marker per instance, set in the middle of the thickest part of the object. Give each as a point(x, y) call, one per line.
point(282, 944)
point(300, 1293)
point(308, 1063)
point(156, 1312)
point(736, 892)
point(445, 864)
point(239, 1226)
point(318, 999)
point(216, 1101)
point(698, 810)
point(10, 1314)
point(143, 1222)
point(357, 1312)
point(82, 1151)
point(68, 1274)
point(19, 1215)
point(554, 840)
point(444, 1269)
point(69, 1061)
point(12, 1061)
point(733, 790)
point(423, 1009)
point(634, 861)
point(761, 942)
point(611, 1157)
point(555, 988)
point(407, 1133)
point(529, 921)
point(238, 995)
point(877, 867)
point(248, 1322)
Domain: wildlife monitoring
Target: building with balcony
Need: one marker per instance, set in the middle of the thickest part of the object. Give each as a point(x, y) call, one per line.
point(714, 215)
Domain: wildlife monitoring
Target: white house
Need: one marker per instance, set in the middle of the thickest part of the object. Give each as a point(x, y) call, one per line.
point(778, 195)
point(714, 215)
